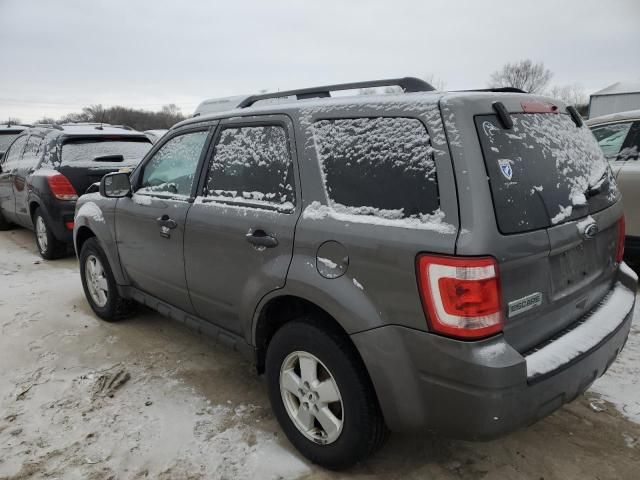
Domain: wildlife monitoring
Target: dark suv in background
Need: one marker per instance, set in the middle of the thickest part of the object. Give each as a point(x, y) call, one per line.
point(8, 133)
point(439, 261)
point(47, 167)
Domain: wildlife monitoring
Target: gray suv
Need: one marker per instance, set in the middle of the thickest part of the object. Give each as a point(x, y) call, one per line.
point(441, 261)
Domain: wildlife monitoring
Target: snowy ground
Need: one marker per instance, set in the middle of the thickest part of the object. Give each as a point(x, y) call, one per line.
point(147, 398)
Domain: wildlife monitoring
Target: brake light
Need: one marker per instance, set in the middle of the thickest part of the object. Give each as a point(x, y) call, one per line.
point(61, 187)
point(69, 225)
point(621, 236)
point(460, 295)
point(539, 107)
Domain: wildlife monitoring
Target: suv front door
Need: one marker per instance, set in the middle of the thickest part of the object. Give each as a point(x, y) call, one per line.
point(239, 233)
point(150, 225)
point(9, 165)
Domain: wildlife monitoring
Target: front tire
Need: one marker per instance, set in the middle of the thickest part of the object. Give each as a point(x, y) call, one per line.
point(322, 396)
point(99, 284)
point(48, 245)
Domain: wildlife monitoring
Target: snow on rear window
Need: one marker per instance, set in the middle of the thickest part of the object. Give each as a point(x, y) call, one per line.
point(252, 165)
point(74, 151)
point(381, 167)
point(542, 169)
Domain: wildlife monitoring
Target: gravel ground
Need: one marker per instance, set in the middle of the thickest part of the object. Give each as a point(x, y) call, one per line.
point(147, 398)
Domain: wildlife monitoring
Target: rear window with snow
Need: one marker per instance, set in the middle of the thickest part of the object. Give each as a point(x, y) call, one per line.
point(102, 148)
point(253, 166)
point(543, 171)
point(378, 166)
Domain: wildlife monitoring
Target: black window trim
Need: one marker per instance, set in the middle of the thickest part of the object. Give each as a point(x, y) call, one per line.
point(270, 120)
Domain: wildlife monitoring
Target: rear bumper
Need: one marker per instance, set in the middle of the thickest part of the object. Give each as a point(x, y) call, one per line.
point(484, 389)
point(57, 213)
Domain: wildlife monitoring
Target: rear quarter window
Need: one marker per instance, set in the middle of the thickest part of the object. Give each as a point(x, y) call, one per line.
point(378, 167)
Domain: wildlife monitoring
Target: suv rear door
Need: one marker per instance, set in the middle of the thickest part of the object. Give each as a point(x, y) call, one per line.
point(86, 159)
point(25, 167)
point(150, 225)
point(239, 232)
point(524, 199)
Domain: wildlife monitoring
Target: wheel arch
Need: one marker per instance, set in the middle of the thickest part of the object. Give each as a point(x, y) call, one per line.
point(282, 309)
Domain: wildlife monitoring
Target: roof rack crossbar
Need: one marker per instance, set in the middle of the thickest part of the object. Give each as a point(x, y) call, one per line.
point(408, 84)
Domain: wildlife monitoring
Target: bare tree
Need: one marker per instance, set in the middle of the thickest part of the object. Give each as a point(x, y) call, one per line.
point(524, 74)
point(572, 94)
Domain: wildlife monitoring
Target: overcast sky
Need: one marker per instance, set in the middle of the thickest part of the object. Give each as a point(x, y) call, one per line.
point(58, 56)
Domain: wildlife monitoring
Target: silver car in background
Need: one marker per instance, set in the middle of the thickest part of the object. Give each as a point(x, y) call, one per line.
point(618, 135)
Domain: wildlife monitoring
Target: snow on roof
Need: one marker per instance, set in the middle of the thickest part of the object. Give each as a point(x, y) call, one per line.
point(614, 117)
point(619, 87)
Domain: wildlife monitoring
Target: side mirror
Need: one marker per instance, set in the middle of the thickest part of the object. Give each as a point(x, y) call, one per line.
point(115, 185)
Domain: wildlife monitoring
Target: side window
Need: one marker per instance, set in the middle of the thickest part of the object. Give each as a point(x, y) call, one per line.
point(172, 169)
point(611, 137)
point(15, 151)
point(32, 150)
point(252, 165)
point(378, 166)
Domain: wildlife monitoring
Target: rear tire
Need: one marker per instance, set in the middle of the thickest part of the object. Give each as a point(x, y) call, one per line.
point(356, 426)
point(48, 245)
point(99, 284)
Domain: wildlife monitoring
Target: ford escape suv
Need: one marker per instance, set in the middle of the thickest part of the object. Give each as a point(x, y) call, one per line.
point(441, 261)
point(45, 169)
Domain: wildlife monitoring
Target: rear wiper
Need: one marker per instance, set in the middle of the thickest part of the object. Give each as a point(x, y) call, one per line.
point(598, 187)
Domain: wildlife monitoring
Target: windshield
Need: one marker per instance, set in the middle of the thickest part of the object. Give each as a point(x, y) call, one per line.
point(87, 150)
point(543, 171)
point(6, 138)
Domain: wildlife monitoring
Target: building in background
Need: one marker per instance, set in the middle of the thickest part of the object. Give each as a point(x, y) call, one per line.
point(619, 97)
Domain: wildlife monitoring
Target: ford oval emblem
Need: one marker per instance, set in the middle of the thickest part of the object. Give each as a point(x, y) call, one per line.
point(591, 231)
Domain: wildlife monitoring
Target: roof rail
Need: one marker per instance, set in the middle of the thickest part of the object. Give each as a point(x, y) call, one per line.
point(496, 89)
point(408, 84)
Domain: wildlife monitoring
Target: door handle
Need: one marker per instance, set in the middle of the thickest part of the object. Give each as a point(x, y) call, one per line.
point(260, 239)
point(166, 221)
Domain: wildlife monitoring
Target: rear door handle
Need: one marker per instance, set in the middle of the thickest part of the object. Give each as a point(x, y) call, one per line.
point(166, 221)
point(259, 238)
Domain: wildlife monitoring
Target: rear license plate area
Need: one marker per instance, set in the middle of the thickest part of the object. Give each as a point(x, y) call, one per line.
point(575, 266)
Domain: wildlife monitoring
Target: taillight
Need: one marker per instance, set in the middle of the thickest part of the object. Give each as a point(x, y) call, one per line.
point(620, 244)
point(61, 187)
point(460, 295)
point(69, 225)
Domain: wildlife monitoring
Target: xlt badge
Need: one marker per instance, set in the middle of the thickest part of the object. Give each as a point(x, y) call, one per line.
point(525, 303)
